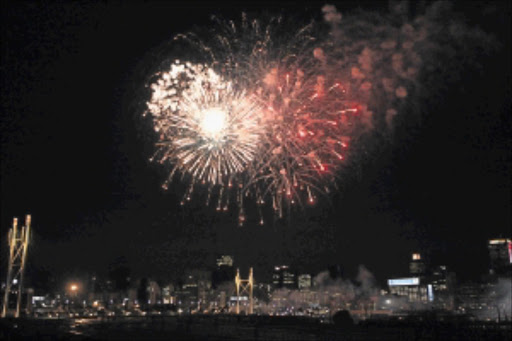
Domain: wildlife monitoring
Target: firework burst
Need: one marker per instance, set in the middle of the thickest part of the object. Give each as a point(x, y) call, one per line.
point(267, 114)
point(308, 126)
point(264, 116)
point(207, 130)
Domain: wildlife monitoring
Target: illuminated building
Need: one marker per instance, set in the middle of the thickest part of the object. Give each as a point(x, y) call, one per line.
point(443, 283)
point(283, 277)
point(153, 292)
point(439, 280)
point(168, 295)
point(471, 298)
point(188, 296)
point(500, 254)
point(222, 299)
point(304, 281)
point(412, 288)
point(417, 265)
point(225, 260)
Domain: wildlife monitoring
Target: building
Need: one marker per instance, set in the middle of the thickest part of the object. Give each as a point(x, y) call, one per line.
point(443, 283)
point(412, 288)
point(439, 278)
point(304, 282)
point(500, 254)
point(168, 296)
point(188, 296)
point(283, 277)
point(471, 298)
point(154, 292)
point(417, 266)
point(222, 299)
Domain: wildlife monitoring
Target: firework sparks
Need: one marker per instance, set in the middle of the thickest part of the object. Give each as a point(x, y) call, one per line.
point(270, 113)
point(207, 130)
point(262, 114)
point(267, 116)
point(308, 123)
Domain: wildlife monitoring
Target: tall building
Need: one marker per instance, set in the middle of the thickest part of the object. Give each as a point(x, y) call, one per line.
point(168, 295)
point(500, 254)
point(442, 279)
point(283, 277)
point(154, 292)
point(443, 284)
point(188, 297)
point(417, 266)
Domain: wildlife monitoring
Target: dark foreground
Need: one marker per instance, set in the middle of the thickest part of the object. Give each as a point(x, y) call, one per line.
point(243, 328)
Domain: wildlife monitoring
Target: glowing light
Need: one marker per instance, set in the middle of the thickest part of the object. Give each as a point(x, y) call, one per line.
point(73, 288)
point(213, 122)
point(404, 281)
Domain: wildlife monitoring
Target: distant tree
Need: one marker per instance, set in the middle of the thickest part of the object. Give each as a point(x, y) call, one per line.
point(343, 319)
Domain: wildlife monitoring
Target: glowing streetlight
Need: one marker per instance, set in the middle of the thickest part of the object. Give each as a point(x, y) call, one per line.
point(73, 288)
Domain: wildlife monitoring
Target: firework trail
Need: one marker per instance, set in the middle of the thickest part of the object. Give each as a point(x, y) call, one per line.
point(268, 113)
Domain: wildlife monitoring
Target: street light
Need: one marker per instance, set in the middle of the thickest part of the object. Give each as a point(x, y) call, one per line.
point(74, 289)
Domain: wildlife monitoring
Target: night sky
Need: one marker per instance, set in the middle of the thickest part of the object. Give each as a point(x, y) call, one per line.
point(74, 154)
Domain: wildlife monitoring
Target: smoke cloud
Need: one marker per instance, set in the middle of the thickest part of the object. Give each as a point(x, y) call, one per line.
point(334, 294)
point(390, 61)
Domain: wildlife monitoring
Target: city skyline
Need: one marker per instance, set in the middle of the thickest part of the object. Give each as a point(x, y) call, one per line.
point(221, 274)
point(423, 286)
point(75, 156)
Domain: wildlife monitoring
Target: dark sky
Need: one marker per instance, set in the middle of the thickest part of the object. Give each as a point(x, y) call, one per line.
point(74, 154)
